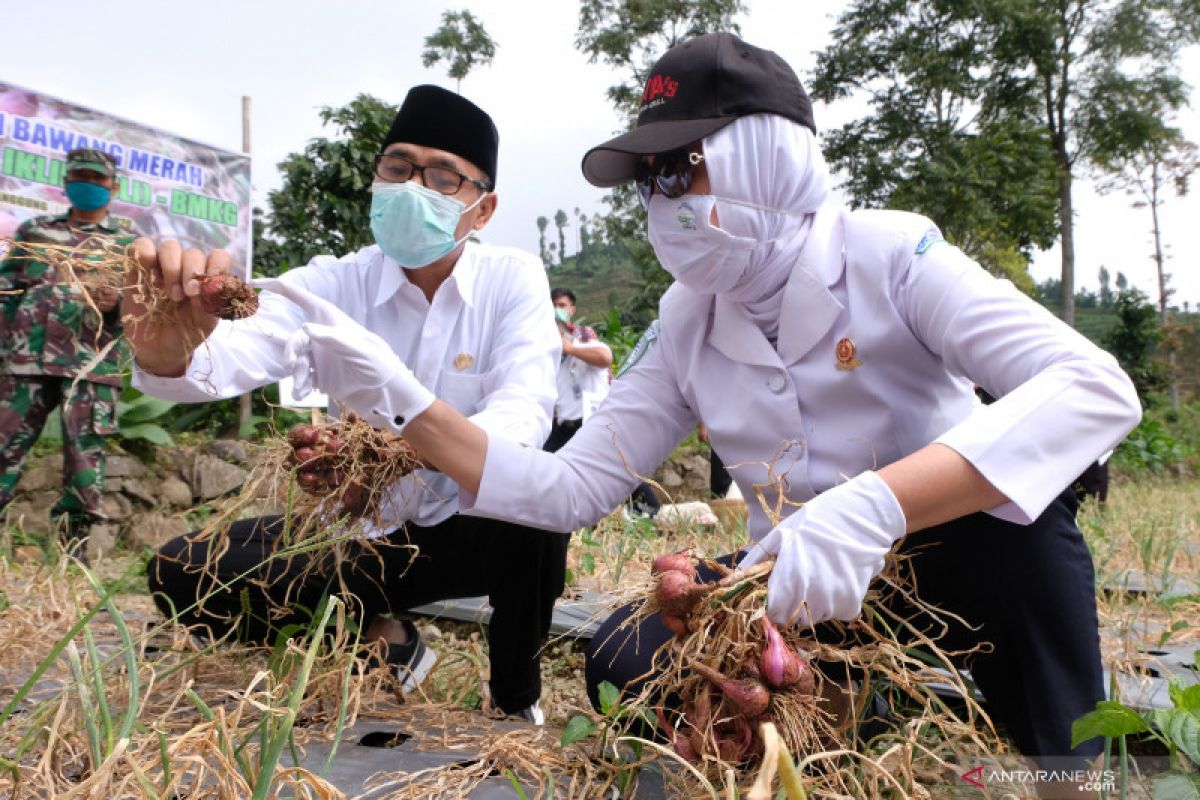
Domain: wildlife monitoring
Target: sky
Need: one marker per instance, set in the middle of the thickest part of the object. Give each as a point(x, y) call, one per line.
point(184, 68)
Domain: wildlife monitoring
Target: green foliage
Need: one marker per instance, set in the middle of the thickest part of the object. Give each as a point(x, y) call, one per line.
point(269, 259)
point(462, 42)
point(629, 36)
point(140, 416)
point(1132, 341)
point(324, 202)
point(1151, 447)
point(1167, 439)
point(620, 338)
point(1177, 728)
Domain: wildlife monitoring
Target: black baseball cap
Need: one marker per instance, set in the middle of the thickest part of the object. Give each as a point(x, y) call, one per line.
point(694, 90)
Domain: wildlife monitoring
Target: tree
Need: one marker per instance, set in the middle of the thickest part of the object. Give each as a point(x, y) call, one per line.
point(983, 174)
point(1161, 165)
point(1106, 293)
point(629, 36)
point(1133, 340)
point(462, 42)
point(542, 222)
point(324, 203)
point(560, 222)
point(268, 254)
point(1081, 68)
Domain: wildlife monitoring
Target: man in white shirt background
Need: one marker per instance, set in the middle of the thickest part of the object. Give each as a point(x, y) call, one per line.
point(473, 322)
point(583, 371)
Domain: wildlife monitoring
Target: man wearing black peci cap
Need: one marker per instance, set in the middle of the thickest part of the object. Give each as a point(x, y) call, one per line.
point(473, 323)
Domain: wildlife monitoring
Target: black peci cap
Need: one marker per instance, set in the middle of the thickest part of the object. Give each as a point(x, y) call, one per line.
point(435, 117)
point(694, 90)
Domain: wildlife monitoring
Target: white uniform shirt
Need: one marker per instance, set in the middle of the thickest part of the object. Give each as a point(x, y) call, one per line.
point(581, 387)
point(925, 322)
point(487, 345)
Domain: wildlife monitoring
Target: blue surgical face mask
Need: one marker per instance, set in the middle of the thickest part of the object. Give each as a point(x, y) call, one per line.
point(563, 315)
point(413, 224)
point(88, 196)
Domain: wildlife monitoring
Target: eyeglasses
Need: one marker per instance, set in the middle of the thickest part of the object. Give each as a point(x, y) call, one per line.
point(671, 172)
point(398, 169)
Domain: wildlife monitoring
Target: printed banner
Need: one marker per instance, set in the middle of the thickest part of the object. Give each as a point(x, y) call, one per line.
point(170, 187)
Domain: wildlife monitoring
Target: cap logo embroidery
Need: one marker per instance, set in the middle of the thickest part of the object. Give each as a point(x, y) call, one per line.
point(659, 86)
point(846, 354)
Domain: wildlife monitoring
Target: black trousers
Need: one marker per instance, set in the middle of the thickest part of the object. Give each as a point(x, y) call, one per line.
point(1031, 588)
point(520, 570)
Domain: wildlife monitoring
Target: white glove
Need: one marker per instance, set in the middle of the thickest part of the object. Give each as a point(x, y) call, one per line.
point(828, 551)
point(355, 367)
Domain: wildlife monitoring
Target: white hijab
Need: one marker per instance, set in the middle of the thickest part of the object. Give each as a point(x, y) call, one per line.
point(767, 176)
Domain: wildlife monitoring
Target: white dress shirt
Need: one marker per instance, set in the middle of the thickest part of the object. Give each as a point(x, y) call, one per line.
point(487, 344)
point(925, 322)
point(581, 386)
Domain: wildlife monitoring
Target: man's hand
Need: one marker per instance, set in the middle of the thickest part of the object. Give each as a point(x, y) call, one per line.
point(827, 552)
point(163, 345)
point(354, 366)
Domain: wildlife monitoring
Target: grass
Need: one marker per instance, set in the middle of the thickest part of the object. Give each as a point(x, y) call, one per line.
point(141, 710)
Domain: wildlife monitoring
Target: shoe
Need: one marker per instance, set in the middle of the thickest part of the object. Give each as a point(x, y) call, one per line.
point(412, 660)
point(532, 714)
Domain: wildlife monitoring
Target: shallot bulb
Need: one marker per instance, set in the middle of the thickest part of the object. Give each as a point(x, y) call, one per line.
point(678, 593)
point(748, 695)
point(781, 667)
point(674, 562)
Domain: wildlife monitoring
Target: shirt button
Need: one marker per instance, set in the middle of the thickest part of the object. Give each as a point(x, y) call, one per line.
point(776, 382)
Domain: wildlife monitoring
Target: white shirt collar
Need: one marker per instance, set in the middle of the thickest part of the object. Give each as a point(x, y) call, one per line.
point(392, 276)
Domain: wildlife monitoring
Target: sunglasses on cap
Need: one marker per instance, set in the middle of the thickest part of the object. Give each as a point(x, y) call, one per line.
point(671, 172)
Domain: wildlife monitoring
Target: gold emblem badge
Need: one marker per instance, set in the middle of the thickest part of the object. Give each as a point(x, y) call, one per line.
point(463, 361)
point(846, 353)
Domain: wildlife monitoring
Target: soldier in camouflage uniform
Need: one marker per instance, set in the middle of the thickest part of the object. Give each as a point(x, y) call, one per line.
point(61, 346)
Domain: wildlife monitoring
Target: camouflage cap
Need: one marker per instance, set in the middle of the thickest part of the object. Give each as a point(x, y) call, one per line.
point(91, 158)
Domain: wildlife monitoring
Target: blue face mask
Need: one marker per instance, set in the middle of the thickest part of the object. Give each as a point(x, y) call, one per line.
point(88, 196)
point(563, 315)
point(415, 225)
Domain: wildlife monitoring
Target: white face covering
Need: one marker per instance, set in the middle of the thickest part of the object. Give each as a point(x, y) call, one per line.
point(767, 177)
point(698, 254)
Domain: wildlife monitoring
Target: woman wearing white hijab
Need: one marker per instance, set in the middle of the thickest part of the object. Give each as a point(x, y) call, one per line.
point(832, 355)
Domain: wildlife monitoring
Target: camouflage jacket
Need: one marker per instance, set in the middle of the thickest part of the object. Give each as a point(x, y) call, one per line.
point(48, 327)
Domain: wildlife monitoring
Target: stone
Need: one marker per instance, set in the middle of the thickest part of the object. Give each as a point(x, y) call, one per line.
point(213, 477)
point(41, 474)
point(175, 492)
point(671, 479)
point(139, 490)
point(122, 466)
point(153, 529)
point(27, 554)
point(102, 538)
point(117, 506)
point(30, 515)
point(227, 450)
point(698, 464)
